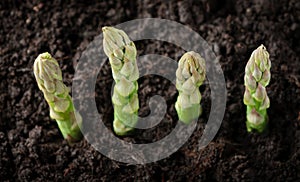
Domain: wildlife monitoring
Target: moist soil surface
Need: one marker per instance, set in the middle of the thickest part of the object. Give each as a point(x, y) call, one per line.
point(32, 147)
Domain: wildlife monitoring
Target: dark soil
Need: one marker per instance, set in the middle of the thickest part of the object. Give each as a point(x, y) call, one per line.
point(32, 147)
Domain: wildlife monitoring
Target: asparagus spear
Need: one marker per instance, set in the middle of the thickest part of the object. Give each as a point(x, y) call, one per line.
point(189, 77)
point(49, 79)
point(121, 52)
point(257, 77)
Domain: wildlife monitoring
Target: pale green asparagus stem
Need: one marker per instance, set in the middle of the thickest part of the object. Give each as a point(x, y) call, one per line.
point(49, 79)
point(257, 77)
point(121, 52)
point(189, 77)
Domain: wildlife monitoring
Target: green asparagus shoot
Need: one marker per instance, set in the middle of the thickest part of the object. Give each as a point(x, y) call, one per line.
point(49, 79)
point(257, 77)
point(190, 75)
point(121, 52)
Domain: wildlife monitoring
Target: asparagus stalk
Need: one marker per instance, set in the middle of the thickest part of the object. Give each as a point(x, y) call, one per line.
point(189, 77)
point(257, 77)
point(121, 52)
point(49, 79)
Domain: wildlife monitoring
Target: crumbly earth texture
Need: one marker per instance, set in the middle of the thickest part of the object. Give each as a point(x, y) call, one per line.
point(32, 148)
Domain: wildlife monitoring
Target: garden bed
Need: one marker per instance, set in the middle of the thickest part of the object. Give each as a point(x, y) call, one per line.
point(32, 147)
